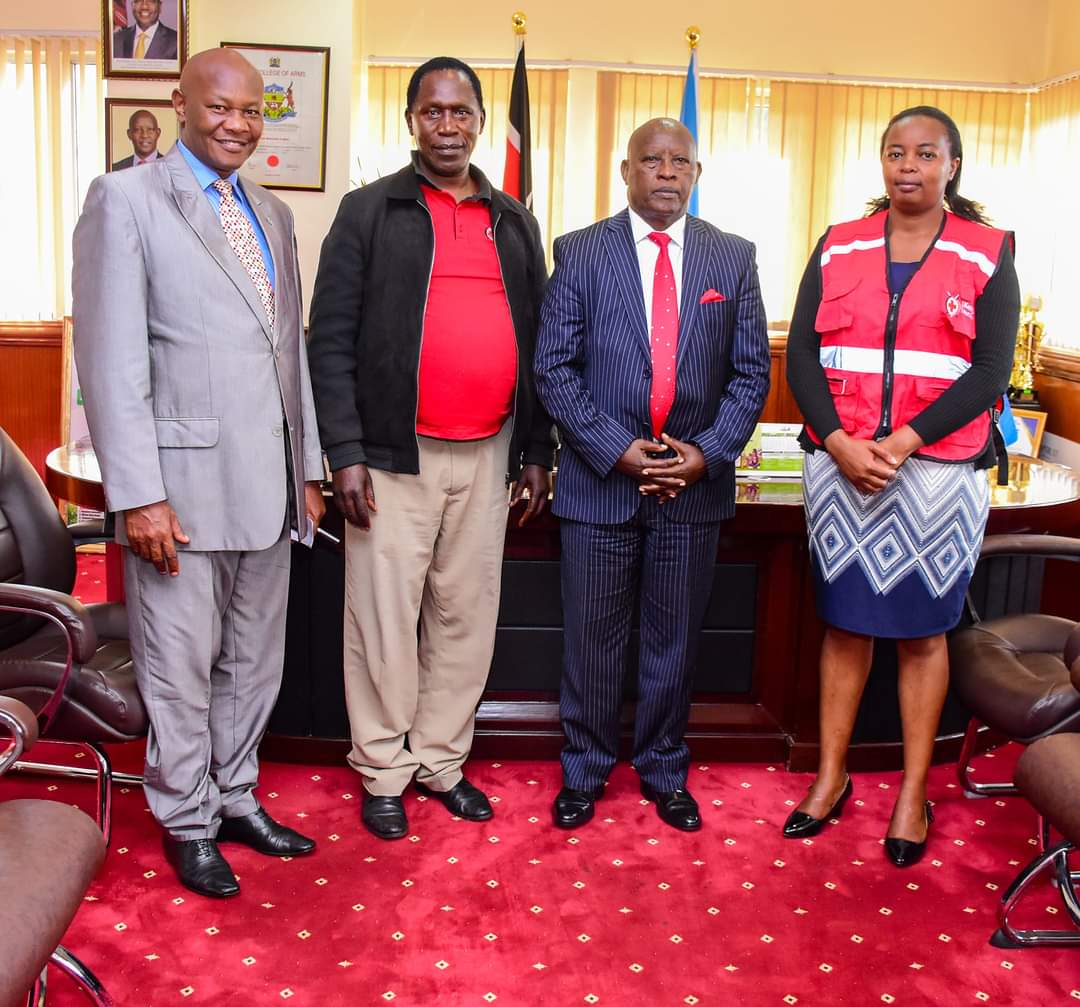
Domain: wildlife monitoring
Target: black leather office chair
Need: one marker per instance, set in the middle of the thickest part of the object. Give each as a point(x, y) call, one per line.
point(69, 663)
point(1012, 673)
point(49, 854)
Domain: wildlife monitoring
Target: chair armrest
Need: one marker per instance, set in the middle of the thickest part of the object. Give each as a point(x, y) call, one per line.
point(74, 621)
point(21, 724)
point(1055, 546)
point(69, 614)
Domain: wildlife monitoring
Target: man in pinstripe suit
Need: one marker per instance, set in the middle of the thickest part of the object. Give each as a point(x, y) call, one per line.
point(653, 360)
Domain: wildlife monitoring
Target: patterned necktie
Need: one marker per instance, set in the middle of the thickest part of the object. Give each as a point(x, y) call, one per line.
point(664, 335)
point(241, 236)
point(140, 47)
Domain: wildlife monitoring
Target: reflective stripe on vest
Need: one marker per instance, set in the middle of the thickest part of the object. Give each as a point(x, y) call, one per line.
point(915, 363)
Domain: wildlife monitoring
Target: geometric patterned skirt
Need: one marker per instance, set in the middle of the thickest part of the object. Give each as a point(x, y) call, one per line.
point(895, 563)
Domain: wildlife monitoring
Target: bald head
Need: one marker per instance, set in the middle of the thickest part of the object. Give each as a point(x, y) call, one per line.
point(210, 66)
point(219, 103)
point(660, 171)
point(644, 133)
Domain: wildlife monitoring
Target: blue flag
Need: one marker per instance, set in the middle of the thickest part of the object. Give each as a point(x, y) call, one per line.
point(688, 114)
point(1007, 424)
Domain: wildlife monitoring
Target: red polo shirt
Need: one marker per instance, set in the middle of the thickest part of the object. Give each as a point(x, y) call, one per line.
point(468, 356)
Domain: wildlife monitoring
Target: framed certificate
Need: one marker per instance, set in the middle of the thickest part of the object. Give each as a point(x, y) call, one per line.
point(292, 151)
point(147, 39)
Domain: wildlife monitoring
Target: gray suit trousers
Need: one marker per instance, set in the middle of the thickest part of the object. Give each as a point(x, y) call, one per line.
point(208, 648)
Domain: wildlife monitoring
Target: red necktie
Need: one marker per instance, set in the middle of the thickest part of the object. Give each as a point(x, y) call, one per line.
point(664, 335)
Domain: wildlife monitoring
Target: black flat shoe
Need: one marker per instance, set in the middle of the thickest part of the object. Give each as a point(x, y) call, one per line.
point(200, 866)
point(574, 807)
point(259, 831)
point(905, 853)
point(384, 816)
point(463, 800)
point(800, 825)
point(675, 807)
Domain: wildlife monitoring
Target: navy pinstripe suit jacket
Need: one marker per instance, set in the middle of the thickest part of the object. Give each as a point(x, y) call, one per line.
point(594, 367)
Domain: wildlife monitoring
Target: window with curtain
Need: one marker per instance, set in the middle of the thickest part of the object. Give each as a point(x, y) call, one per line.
point(1054, 209)
point(389, 144)
point(51, 95)
point(783, 159)
point(743, 189)
point(828, 137)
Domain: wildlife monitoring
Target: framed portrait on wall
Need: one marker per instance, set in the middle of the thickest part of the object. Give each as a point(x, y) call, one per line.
point(296, 91)
point(137, 131)
point(147, 39)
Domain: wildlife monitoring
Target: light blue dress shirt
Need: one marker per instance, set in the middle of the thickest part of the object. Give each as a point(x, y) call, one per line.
point(206, 177)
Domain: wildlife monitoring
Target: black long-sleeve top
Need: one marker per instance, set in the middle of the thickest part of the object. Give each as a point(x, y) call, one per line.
point(997, 314)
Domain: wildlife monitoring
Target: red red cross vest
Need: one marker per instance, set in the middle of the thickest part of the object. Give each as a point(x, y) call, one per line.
point(888, 356)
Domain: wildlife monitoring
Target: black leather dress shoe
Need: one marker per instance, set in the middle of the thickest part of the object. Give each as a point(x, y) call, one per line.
point(675, 807)
point(574, 807)
point(384, 816)
point(904, 852)
point(200, 866)
point(259, 831)
point(800, 825)
point(463, 800)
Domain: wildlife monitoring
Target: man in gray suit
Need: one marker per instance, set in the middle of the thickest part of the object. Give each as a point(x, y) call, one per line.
point(190, 348)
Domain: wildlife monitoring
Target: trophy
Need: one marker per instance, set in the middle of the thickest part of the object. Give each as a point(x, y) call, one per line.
point(1028, 337)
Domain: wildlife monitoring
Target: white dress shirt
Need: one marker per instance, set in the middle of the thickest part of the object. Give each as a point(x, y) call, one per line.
point(648, 251)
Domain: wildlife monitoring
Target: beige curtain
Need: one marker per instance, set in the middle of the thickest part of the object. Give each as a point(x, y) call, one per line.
point(783, 160)
point(827, 138)
point(51, 95)
point(1055, 209)
point(388, 141)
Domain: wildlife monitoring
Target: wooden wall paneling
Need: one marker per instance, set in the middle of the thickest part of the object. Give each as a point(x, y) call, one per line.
point(780, 405)
point(30, 381)
point(1057, 380)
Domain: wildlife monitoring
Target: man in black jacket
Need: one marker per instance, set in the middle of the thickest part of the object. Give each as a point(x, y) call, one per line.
point(423, 324)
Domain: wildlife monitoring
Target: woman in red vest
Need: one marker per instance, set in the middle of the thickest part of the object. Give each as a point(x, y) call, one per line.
point(901, 343)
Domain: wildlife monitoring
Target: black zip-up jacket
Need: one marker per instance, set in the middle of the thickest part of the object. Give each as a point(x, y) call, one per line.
point(367, 318)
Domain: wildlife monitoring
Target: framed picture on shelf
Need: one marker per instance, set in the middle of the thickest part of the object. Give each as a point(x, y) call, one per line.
point(137, 131)
point(296, 79)
point(147, 39)
point(1030, 424)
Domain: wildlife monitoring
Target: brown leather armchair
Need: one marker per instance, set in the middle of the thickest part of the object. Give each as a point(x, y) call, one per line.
point(1048, 775)
point(69, 663)
point(1012, 673)
point(49, 854)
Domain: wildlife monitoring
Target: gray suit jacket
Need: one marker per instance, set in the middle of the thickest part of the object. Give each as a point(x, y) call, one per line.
point(188, 392)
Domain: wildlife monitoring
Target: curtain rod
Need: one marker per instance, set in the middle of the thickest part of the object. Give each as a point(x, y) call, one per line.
point(709, 71)
point(47, 33)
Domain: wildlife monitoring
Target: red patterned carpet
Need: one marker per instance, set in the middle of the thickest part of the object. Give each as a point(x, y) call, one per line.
point(623, 912)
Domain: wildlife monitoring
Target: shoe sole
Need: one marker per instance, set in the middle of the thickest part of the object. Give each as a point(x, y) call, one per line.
point(267, 853)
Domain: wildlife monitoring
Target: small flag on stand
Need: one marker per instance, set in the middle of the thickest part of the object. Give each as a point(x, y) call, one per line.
point(688, 112)
point(517, 174)
point(119, 14)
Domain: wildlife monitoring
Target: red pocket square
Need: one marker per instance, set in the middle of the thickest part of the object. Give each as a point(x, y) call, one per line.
point(711, 297)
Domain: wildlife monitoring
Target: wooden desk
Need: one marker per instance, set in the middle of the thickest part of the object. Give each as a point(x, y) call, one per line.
point(72, 473)
point(757, 683)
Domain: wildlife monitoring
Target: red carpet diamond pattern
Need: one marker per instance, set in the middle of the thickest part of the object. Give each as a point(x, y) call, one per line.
point(625, 911)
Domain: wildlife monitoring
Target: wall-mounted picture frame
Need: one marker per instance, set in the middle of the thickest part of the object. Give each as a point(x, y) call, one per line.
point(296, 91)
point(144, 39)
point(1030, 424)
point(137, 131)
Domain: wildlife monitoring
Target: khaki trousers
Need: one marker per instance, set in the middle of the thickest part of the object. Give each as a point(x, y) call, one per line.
point(433, 560)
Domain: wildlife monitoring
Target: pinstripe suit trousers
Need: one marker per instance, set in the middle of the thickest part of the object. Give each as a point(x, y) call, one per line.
point(665, 569)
